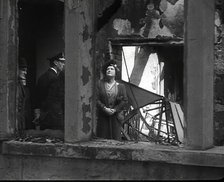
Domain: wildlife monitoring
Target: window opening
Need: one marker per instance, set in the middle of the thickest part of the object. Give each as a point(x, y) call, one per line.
point(153, 76)
point(41, 45)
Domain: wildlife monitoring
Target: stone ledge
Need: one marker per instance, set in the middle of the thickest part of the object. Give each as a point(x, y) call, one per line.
point(115, 150)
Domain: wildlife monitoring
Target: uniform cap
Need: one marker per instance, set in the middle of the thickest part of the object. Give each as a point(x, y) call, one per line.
point(57, 57)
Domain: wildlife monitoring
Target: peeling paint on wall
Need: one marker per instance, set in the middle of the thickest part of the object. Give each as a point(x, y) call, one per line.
point(85, 33)
point(85, 75)
point(123, 27)
point(86, 119)
point(173, 18)
point(160, 18)
point(83, 15)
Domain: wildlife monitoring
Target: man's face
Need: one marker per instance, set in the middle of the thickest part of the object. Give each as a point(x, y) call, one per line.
point(22, 75)
point(60, 65)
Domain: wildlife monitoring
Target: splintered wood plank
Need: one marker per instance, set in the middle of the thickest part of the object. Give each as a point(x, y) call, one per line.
point(177, 122)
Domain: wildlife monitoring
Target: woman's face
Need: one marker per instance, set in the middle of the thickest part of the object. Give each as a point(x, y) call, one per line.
point(110, 71)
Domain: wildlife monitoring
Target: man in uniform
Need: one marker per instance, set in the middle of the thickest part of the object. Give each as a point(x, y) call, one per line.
point(48, 112)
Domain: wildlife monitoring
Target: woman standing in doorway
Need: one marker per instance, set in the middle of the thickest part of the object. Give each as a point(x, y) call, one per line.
point(112, 99)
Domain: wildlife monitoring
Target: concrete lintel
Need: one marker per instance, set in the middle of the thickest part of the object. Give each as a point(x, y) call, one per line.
point(115, 150)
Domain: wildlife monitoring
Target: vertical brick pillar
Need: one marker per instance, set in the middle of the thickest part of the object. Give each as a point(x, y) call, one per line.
point(79, 31)
point(198, 68)
point(8, 65)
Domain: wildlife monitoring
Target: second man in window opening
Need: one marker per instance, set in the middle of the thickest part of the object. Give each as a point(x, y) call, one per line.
point(49, 110)
point(24, 111)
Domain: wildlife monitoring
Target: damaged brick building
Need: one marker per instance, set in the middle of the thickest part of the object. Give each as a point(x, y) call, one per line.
point(186, 41)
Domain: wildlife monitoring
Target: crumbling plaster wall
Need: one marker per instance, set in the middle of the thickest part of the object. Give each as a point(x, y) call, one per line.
point(219, 75)
point(137, 19)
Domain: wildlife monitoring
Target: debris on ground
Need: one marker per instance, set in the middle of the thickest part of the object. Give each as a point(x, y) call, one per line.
point(39, 139)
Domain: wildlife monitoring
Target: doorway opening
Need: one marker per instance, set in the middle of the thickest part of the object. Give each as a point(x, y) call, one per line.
point(41, 36)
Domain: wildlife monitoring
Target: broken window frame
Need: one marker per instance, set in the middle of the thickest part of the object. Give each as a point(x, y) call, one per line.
point(173, 138)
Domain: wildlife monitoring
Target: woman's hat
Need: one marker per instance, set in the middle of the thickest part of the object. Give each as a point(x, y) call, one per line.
point(111, 62)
